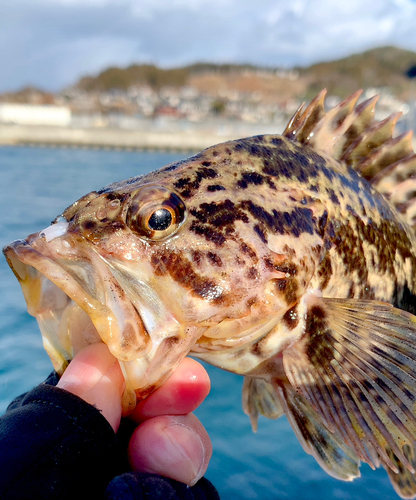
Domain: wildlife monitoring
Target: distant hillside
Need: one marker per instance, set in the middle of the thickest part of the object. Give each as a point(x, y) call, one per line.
point(123, 78)
point(149, 74)
point(28, 95)
point(380, 67)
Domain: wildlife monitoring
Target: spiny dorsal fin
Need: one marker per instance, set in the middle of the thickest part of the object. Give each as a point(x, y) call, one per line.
point(350, 134)
point(303, 121)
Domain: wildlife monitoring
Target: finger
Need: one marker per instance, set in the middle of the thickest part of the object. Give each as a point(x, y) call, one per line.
point(184, 391)
point(95, 376)
point(175, 446)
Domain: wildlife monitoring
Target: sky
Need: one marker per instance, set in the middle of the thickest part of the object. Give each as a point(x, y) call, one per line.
point(50, 44)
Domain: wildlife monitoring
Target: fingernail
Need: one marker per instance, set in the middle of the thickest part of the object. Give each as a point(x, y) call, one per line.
point(186, 449)
point(172, 446)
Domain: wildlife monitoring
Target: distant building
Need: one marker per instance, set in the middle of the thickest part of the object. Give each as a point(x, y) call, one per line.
point(28, 114)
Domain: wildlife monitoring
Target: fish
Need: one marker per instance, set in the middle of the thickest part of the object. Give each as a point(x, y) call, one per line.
point(288, 259)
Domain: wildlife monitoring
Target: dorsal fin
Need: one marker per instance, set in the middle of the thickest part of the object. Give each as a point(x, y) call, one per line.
point(350, 133)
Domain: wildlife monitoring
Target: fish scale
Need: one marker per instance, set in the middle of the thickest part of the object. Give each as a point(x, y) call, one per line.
point(287, 259)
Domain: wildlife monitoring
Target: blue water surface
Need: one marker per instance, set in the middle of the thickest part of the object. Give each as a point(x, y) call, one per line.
point(39, 183)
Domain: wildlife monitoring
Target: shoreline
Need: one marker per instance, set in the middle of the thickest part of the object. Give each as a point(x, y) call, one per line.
point(115, 138)
point(108, 138)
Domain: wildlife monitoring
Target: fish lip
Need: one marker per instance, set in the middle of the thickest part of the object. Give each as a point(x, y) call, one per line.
point(33, 268)
point(21, 252)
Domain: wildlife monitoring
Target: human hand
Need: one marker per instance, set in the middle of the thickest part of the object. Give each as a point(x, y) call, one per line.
point(170, 440)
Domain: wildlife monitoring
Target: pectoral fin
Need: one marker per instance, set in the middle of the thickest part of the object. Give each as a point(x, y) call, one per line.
point(356, 366)
point(337, 459)
point(274, 399)
point(404, 482)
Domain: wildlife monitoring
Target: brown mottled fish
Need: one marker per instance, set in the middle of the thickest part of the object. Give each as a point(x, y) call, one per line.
point(288, 259)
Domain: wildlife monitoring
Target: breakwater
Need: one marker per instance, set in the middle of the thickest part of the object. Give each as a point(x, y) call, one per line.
point(117, 138)
point(107, 138)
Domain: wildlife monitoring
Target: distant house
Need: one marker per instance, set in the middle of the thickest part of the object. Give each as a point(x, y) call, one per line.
point(168, 112)
point(28, 114)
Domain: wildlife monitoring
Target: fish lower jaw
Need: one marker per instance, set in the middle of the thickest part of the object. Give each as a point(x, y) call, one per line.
point(71, 319)
point(65, 334)
point(67, 330)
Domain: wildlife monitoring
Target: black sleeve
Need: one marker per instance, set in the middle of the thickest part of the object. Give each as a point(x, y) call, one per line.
point(54, 445)
point(144, 486)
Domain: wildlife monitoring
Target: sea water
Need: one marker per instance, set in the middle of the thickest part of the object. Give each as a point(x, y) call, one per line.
point(36, 185)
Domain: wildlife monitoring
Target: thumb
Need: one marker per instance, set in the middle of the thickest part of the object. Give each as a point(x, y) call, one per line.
point(95, 376)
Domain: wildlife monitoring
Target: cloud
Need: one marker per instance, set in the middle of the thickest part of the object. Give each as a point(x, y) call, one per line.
point(51, 43)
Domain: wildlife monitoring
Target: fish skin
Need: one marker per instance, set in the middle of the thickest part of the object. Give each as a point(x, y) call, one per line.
point(271, 238)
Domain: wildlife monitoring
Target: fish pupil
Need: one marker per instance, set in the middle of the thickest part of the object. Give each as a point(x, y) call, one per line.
point(160, 220)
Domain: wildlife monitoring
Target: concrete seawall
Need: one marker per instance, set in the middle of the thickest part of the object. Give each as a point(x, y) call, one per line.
point(108, 138)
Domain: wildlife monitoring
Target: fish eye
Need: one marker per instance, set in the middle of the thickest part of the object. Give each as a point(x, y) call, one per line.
point(155, 213)
point(160, 220)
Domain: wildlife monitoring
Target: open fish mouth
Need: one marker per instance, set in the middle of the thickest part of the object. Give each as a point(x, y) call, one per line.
point(85, 298)
point(57, 301)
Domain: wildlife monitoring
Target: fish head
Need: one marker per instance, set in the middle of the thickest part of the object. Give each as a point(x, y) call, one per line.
point(201, 256)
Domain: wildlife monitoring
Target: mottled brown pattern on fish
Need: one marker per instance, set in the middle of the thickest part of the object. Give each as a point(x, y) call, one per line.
point(100, 219)
point(255, 179)
point(353, 244)
point(259, 348)
point(291, 318)
point(294, 222)
point(215, 259)
point(215, 187)
point(350, 218)
point(289, 287)
point(182, 271)
point(366, 247)
point(316, 326)
point(252, 273)
point(187, 185)
point(249, 251)
point(220, 215)
point(324, 271)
